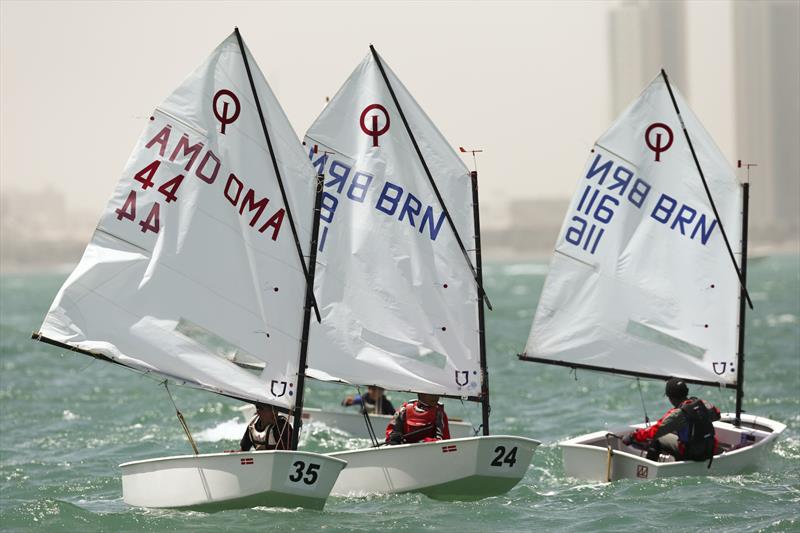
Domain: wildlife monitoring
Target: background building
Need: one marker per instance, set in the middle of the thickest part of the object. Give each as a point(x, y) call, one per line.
point(645, 37)
point(533, 230)
point(767, 79)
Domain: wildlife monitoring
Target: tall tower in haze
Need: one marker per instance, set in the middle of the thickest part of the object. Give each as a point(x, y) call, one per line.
point(643, 38)
point(766, 39)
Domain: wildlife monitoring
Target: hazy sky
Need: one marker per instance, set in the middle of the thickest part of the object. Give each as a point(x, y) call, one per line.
point(526, 81)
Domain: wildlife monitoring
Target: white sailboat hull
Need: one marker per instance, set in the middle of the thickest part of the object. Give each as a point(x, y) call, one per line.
point(587, 457)
point(456, 469)
point(353, 423)
point(219, 481)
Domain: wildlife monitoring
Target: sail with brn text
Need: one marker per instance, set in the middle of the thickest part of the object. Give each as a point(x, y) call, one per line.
point(641, 281)
point(194, 257)
point(398, 299)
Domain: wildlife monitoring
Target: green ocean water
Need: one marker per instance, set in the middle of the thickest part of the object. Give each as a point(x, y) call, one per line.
point(66, 422)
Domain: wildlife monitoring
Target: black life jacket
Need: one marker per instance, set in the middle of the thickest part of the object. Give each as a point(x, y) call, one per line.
point(698, 436)
point(273, 437)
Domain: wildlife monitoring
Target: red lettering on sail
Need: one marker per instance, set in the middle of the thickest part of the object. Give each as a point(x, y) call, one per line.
point(191, 151)
point(128, 209)
point(145, 176)
point(206, 165)
point(274, 222)
point(153, 221)
point(201, 171)
point(233, 179)
point(162, 139)
point(170, 188)
point(253, 206)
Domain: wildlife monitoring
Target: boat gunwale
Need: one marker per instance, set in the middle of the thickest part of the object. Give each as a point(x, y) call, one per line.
point(535, 443)
point(232, 454)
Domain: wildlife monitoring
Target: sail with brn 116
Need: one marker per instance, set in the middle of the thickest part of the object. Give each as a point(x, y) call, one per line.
point(644, 280)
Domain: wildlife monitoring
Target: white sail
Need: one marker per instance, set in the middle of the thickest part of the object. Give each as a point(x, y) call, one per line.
point(641, 280)
point(194, 256)
point(398, 299)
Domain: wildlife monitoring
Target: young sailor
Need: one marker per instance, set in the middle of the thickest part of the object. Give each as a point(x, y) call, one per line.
point(686, 431)
point(374, 402)
point(420, 420)
point(268, 430)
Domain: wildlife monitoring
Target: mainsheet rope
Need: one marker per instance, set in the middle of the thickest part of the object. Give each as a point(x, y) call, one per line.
point(367, 420)
point(181, 419)
point(641, 396)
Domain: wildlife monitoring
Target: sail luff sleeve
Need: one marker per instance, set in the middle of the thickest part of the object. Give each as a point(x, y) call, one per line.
point(312, 267)
point(708, 191)
point(275, 165)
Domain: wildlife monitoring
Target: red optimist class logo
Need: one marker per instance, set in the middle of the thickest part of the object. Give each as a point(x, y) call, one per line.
point(221, 105)
point(653, 138)
point(375, 132)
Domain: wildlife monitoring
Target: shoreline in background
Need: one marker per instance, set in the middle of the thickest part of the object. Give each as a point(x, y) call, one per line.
point(62, 257)
point(52, 238)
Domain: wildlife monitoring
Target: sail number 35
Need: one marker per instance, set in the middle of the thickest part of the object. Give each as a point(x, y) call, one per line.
point(308, 474)
point(505, 458)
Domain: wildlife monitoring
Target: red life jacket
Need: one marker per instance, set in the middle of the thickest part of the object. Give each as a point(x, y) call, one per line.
point(419, 415)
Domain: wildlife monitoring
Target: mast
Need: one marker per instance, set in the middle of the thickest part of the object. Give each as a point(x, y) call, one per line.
point(275, 167)
point(485, 407)
point(742, 307)
point(450, 222)
point(312, 267)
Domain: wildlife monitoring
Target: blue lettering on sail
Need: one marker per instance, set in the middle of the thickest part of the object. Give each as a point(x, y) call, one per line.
point(343, 180)
point(427, 221)
point(683, 218)
point(358, 187)
point(328, 207)
point(319, 164)
point(339, 173)
point(594, 169)
point(610, 186)
point(389, 198)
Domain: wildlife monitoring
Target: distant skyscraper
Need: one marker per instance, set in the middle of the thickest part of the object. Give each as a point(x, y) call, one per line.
point(767, 72)
point(645, 37)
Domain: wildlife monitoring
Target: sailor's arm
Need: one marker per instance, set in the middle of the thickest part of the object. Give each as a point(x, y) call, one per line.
point(666, 424)
point(394, 431)
point(386, 406)
point(713, 411)
point(670, 424)
point(442, 425)
point(245, 444)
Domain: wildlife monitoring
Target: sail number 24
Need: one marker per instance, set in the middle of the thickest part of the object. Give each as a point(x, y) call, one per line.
point(505, 458)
